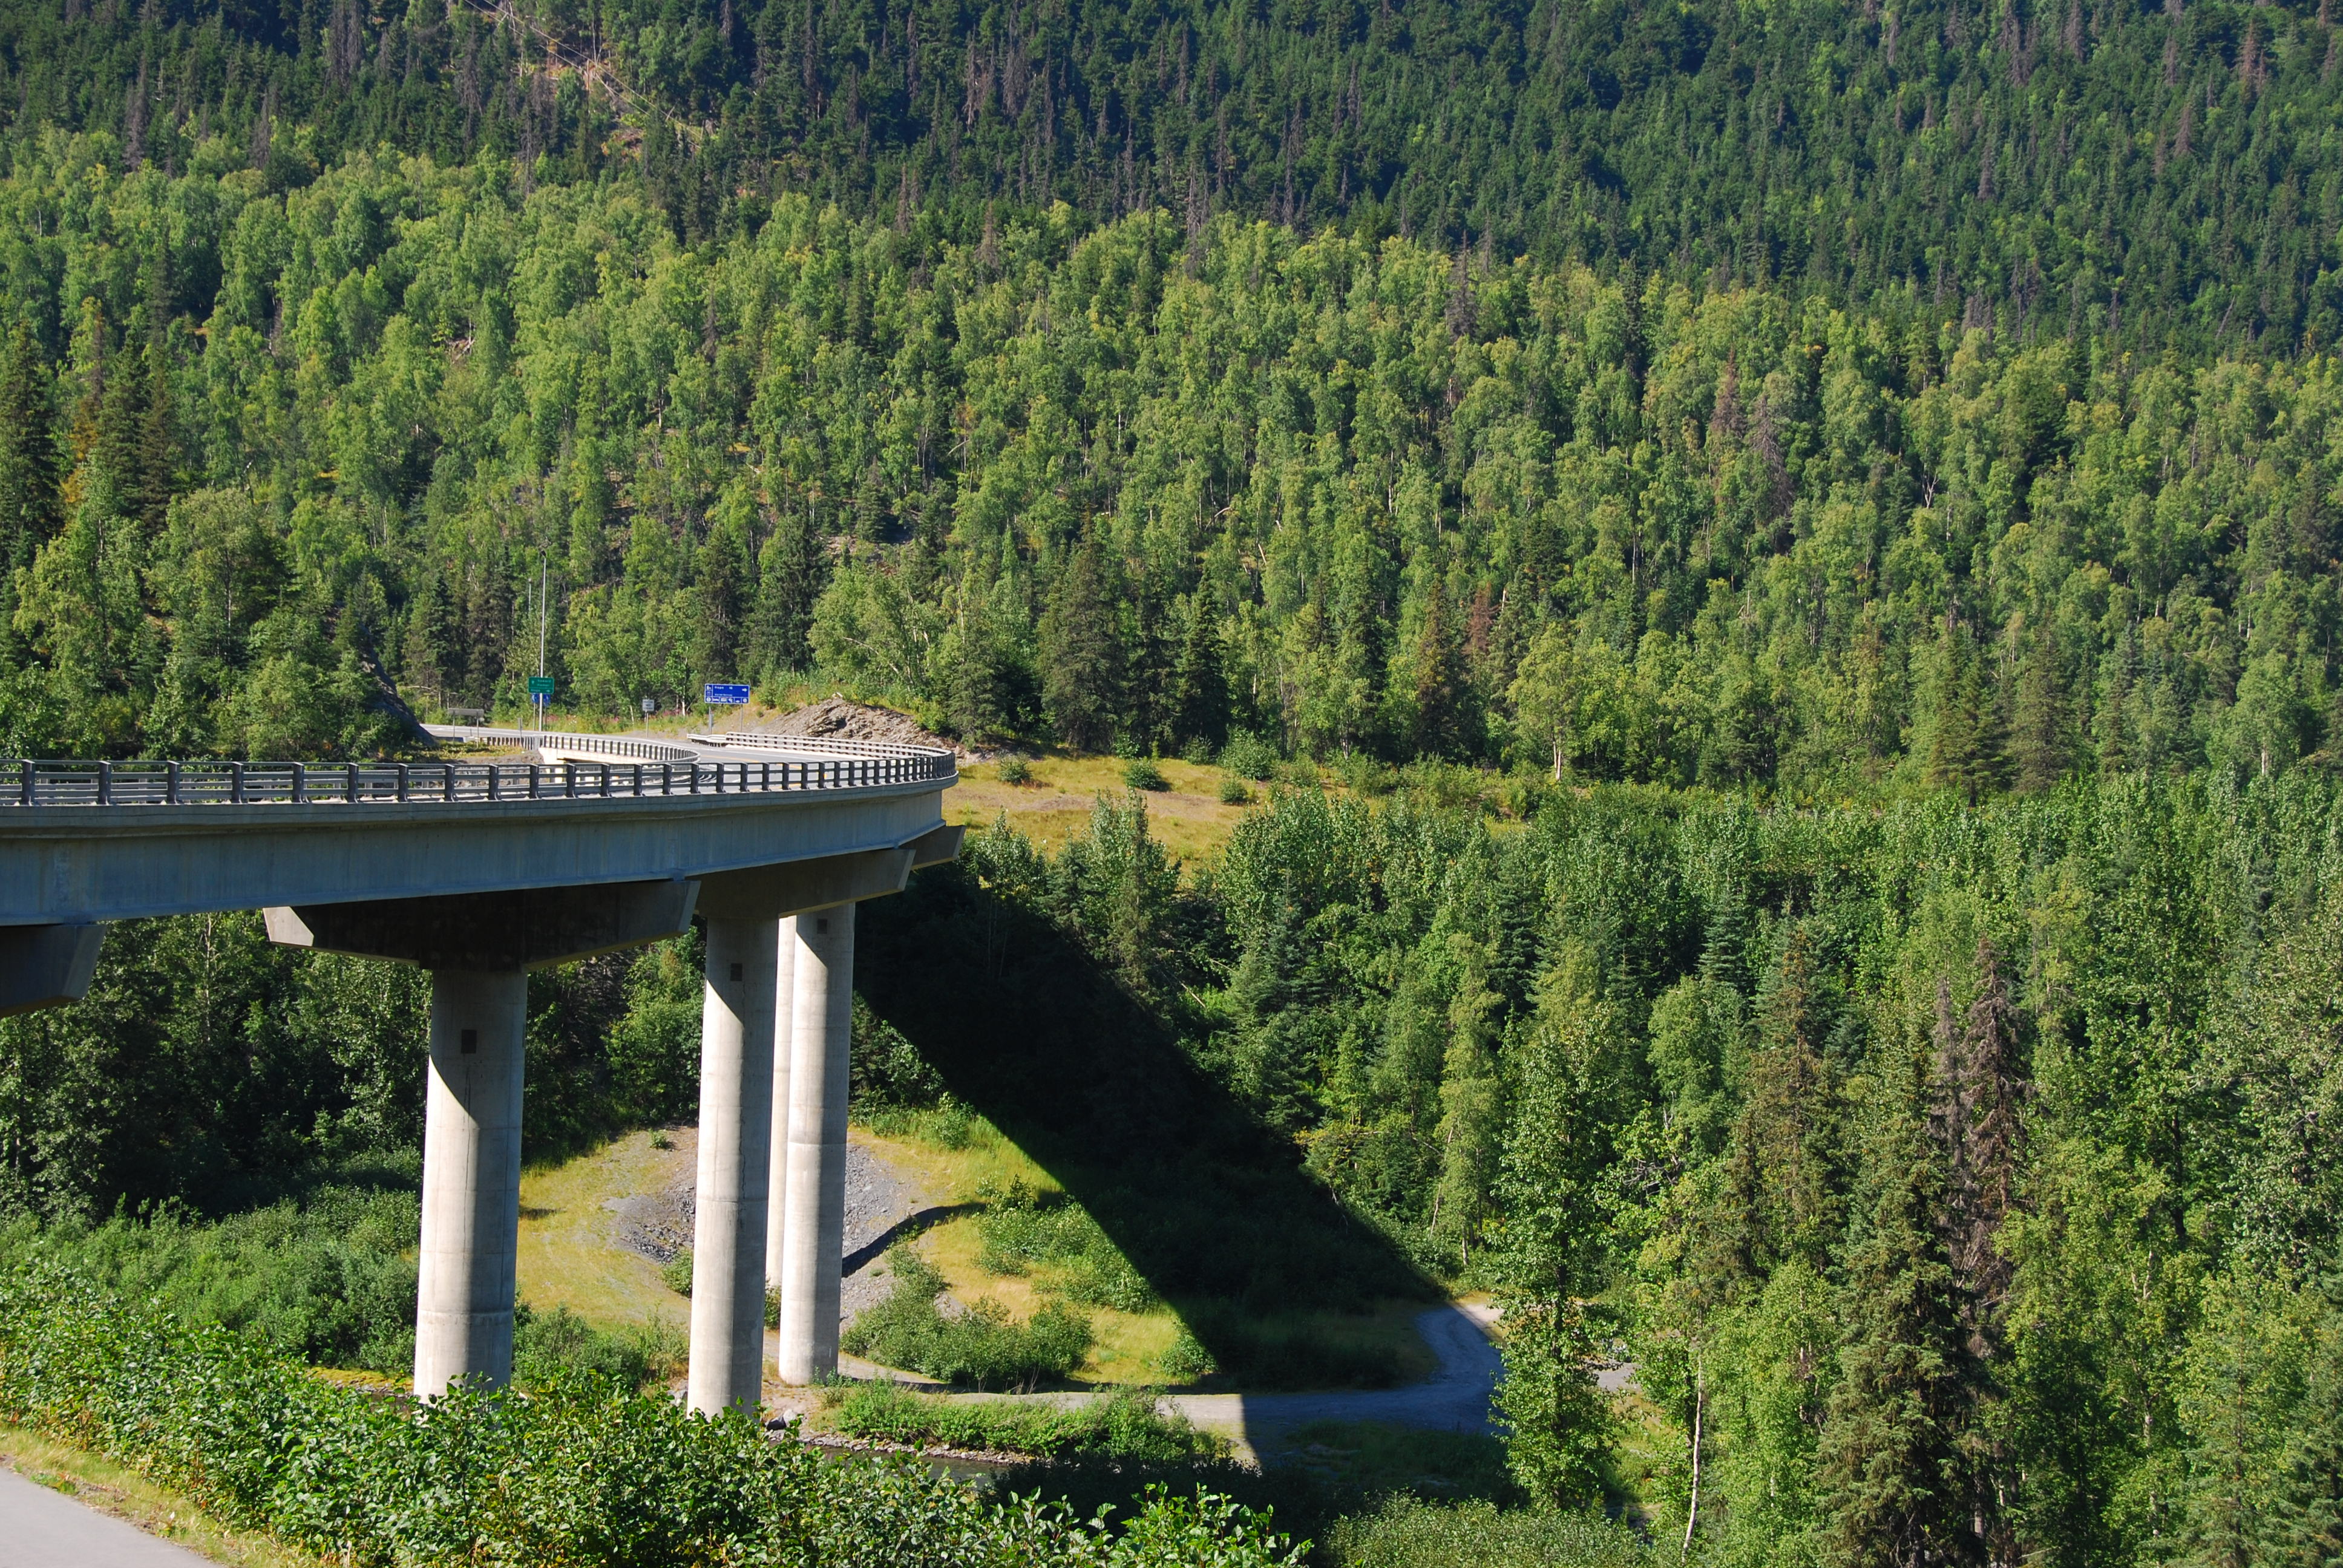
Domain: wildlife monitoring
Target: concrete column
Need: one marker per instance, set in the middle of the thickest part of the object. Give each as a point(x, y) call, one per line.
point(784, 1010)
point(813, 1240)
point(471, 1179)
point(736, 1131)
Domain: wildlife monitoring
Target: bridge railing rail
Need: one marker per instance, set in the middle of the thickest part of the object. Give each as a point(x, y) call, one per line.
point(51, 783)
point(626, 748)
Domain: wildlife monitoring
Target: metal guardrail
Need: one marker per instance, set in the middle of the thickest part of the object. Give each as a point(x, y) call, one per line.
point(32, 783)
point(620, 746)
point(832, 745)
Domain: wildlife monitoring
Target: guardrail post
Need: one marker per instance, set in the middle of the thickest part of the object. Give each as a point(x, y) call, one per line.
point(402, 780)
point(350, 789)
point(236, 783)
point(532, 780)
point(25, 782)
point(105, 783)
point(170, 784)
point(447, 781)
point(300, 782)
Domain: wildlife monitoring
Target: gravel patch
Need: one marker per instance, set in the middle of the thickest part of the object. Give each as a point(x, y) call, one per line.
point(883, 1203)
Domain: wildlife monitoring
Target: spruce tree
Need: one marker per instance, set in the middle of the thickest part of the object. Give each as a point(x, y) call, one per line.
point(2302, 1525)
point(1200, 684)
point(32, 507)
point(1965, 749)
point(1893, 1456)
point(791, 571)
point(157, 467)
point(1082, 653)
point(1440, 680)
point(2038, 743)
point(118, 453)
point(1782, 1172)
point(980, 697)
point(1471, 1109)
point(1549, 1260)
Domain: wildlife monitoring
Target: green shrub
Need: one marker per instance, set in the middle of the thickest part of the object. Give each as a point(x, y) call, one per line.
point(676, 1272)
point(1234, 791)
point(1248, 755)
point(579, 1471)
point(1187, 1360)
point(547, 1346)
point(1198, 750)
point(325, 1280)
point(886, 1071)
point(1022, 1234)
point(981, 1347)
point(1144, 773)
point(1015, 770)
point(1128, 1424)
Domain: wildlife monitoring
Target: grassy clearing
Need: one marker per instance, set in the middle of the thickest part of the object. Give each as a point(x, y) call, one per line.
point(116, 1489)
point(1190, 819)
point(569, 1256)
point(963, 1159)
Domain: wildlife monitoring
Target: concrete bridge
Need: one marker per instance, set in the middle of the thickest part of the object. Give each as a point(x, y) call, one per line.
point(480, 872)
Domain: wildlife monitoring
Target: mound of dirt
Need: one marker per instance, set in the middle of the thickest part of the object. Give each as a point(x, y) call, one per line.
point(836, 718)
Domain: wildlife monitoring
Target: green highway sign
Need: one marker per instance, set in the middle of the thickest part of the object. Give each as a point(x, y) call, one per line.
point(540, 685)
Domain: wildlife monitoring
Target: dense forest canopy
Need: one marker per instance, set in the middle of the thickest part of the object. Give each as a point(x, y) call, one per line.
point(1121, 487)
point(2148, 172)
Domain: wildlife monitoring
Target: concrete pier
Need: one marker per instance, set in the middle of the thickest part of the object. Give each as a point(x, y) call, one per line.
point(821, 1026)
point(736, 1122)
point(471, 1178)
point(784, 1008)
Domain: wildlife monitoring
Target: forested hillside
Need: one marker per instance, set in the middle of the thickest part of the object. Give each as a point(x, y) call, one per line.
point(272, 452)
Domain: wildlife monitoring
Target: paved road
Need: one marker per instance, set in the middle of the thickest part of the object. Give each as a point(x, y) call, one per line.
point(43, 1529)
point(1453, 1399)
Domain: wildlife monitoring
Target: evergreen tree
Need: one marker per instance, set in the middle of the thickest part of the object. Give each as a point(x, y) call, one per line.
point(32, 507)
point(983, 702)
point(157, 467)
point(2302, 1525)
point(1440, 681)
point(1781, 1171)
point(791, 571)
point(116, 461)
point(723, 591)
point(1893, 1454)
point(1200, 703)
point(1082, 653)
point(1549, 1262)
point(1471, 1110)
point(1965, 749)
point(2039, 747)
